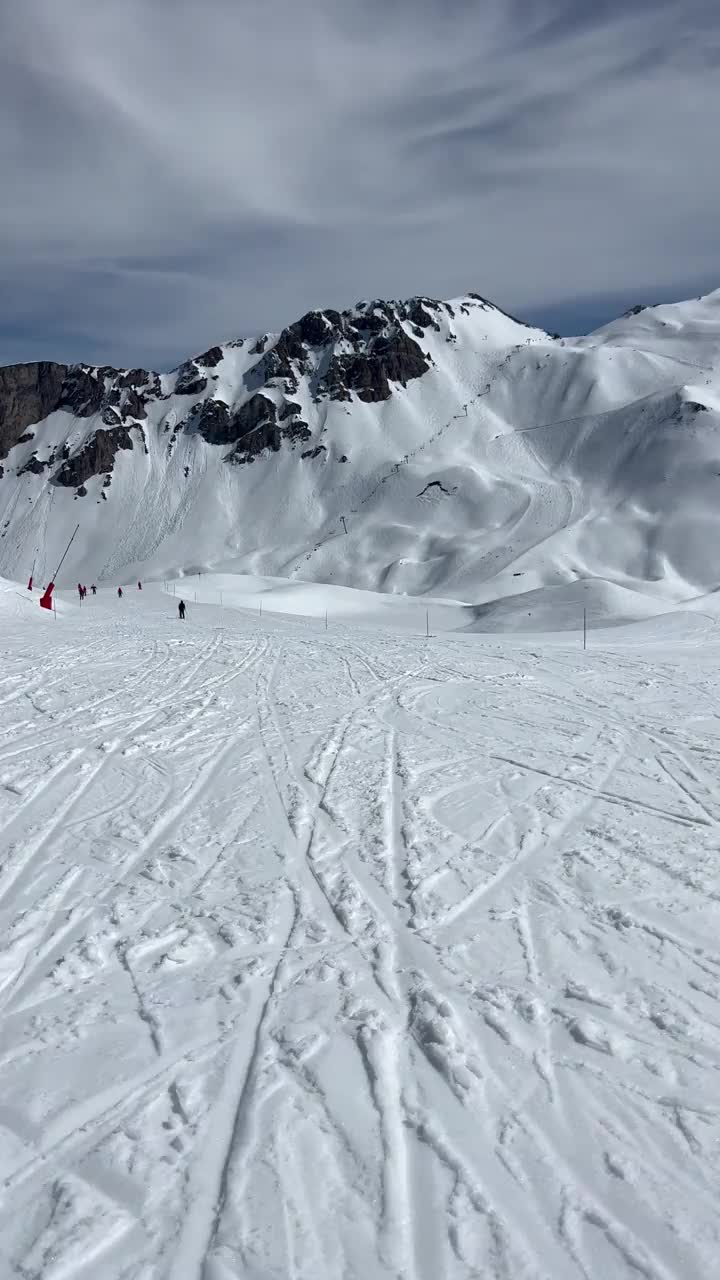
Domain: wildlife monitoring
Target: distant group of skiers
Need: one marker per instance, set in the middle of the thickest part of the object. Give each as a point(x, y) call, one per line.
point(82, 593)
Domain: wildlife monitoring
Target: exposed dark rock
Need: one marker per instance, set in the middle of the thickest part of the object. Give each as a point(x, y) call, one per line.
point(95, 457)
point(316, 328)
point(259, 347)
point(333, 383)
point(343, 458)
point(370, 322)
point(81, 492)
point(290, 355)
point(35, 466)
point(266, 436)
point(439, 487)
point(685, 407)
point(297, 430)
point(256, 411)
point(107, 482)
point(213, 422)
point(218, 425)
point(190, 382)
point(289, 410)
point(29, 435)
point(314, 453)
point(209, 359)
point(132, 404)
point(373, 331)
point(418, 315)
point(28, 393)
point(137, 379)
point(390, 357)
point(635, 311)
point(278, 363)
point(83, 391)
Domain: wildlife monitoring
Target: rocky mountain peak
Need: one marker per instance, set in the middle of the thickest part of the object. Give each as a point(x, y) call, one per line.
point(364, 352)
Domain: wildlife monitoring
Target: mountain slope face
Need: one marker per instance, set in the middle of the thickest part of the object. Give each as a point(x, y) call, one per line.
point(418, 446)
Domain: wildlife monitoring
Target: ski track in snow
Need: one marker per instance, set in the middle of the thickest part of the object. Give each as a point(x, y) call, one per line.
point(354, 953)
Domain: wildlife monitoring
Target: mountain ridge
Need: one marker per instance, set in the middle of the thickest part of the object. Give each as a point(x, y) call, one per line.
point(449, 439)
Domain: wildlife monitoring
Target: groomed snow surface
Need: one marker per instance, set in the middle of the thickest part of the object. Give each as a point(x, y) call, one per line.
point(355, 953)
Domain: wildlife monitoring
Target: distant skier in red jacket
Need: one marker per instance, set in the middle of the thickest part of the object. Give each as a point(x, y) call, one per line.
point(119, 593)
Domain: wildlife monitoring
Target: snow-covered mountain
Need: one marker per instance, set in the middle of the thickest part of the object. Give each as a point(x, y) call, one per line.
point(420, 447)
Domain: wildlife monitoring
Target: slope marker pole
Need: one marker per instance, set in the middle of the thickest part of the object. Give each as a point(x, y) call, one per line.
point(46, 597)
point(584, 628)
point(77, 526)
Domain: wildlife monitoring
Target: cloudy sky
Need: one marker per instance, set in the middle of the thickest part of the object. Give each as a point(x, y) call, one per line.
point(179, 171)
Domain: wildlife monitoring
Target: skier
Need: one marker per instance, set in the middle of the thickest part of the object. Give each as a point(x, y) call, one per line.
point(119, 593)
point(94, 589)
point(80, 591)
point(139, 586)
point(181, 610)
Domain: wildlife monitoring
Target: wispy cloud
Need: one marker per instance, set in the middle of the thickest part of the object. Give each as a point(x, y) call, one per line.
point(179, 170)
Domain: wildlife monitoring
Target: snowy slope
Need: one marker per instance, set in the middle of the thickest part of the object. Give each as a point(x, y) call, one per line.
point(494, 461)
point(349, 953)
